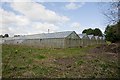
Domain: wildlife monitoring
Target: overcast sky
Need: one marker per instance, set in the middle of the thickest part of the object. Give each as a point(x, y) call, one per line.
point(33, 17)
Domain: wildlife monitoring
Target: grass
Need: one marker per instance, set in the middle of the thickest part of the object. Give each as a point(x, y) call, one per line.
point(79, 62)
point(23, 61)
point(40, 57)
point(108, 42)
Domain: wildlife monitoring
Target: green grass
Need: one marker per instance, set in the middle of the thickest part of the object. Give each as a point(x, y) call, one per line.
point(40, 57)
point(108, 42)
point(23, 61)
point(79, 62)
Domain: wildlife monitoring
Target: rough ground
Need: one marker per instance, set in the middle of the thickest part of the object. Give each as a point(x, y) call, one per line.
point(112, 48)
point(99, 61)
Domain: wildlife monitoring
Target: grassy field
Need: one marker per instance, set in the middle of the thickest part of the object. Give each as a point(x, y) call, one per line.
point(23, 61)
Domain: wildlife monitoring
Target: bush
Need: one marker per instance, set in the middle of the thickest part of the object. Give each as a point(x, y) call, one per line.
point(112, 33)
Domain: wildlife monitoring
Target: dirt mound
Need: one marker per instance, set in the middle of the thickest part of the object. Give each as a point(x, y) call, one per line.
point(112, 48)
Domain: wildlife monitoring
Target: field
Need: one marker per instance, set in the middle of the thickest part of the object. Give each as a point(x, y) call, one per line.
point(30, 62)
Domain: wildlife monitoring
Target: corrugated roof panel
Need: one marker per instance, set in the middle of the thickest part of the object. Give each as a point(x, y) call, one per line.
point(43, 36)
point(49, 35)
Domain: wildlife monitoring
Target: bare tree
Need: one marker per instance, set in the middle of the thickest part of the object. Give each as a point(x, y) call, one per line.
point(113, 12)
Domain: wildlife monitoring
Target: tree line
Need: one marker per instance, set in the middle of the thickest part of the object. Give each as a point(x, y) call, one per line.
point(112, 32)
point(95, 32)
point(3, 36)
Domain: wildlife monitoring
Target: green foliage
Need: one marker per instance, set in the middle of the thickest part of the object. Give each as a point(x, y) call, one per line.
point(1, 36)
point(95, 32)
point(6, 35)
point(79, 62)
point(108, 42)
point(84, 31)
point(112, 32)
point(40, 57)
point(104, 65)
point(88, 31)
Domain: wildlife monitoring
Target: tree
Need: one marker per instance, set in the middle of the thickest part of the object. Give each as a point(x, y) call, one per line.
point(111, 33)
point(112, 12)
point(1, 36)
point(84, 31)
point(95, 32)
point(16, 35)
point(6, 35)
point(88, 31)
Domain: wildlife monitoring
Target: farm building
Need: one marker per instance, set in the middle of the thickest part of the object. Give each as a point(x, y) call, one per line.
point(92, 40)
point(97, 38)
point(101, 38)
point(1, 40)
point(13, 40)
point(7, 40)
point(48, 40)
point(84, 40)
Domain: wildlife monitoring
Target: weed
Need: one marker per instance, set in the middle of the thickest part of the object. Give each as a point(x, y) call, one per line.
point(79, 62)
point(39, 70)
point(95, 60)
point(104, 65)
point(40, 57)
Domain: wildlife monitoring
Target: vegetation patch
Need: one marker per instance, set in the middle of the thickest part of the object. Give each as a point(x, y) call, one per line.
point(54, 63)
point(80, 62)
point(40, 57)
